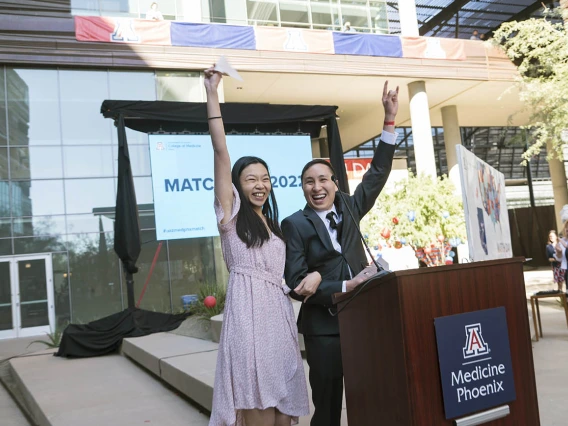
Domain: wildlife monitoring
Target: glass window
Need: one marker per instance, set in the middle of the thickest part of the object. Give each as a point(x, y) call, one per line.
point(119, 8)
point(157, 295)
point(355, 13)
point(36, 163)
point(192, 263)
point(179, 86)
point(139, 159)
point(85, 7)
point(325, 14)
point(262, 10)
point(140, 86)
point(37, 198)
point(88, 161)
point(294, 11)
point(61, 288)
point(5, 246)
point(4, 163)
point(5, 199)
point(144, 190)
point(5, 228)
point(379, 16)
point(30, 245)
point(85, 195)
point(89, 223)
point(94, 279)
point(39, 226)
point(82, 93)
point(3, 127)
point(33, 107)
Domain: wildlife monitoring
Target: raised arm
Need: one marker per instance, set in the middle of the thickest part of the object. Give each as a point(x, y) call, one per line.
point(221, 159)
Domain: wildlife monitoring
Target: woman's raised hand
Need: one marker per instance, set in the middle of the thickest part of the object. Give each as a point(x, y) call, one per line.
point(212, 79)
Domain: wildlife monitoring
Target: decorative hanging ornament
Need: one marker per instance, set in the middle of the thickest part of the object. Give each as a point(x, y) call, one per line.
point(445, 214)
point(210, 302)
point(403, 240)
point(397, 244)
point(386, 233)
point(411, 215)
point(395, 220)
point(441, 238)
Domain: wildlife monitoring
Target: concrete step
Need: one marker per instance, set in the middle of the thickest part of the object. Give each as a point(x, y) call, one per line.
point(11, 413)
point(108, 390)
point(187, 364)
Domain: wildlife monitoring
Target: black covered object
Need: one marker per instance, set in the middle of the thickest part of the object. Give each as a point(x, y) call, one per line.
point(127, 243)
point(177, 117)
point(105, 335)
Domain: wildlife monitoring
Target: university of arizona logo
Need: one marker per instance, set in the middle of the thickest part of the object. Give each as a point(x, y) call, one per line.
point(124, 31)
point(160, 146)
point(295, 41)
point(474, 343)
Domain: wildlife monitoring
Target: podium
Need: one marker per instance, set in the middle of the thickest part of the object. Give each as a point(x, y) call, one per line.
point(389, 350)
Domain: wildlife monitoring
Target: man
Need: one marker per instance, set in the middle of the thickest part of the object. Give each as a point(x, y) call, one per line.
point(474, 35)
point(323, 238)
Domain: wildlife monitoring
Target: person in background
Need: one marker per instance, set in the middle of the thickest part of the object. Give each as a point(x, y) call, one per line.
point(347, 28)
point(557, 271)
point(153, 13)
point(474, 35)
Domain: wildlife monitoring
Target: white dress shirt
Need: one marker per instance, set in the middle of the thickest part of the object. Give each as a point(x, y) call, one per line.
point(386, 137)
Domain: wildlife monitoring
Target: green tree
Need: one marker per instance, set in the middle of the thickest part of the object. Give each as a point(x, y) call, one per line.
point(421, 212)
point(539, 48)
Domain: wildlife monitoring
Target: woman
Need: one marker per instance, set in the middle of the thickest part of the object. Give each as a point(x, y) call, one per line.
point(259, 378)
point(557, 272)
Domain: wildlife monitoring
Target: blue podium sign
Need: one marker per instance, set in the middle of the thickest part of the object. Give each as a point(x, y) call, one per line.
point(475, 361)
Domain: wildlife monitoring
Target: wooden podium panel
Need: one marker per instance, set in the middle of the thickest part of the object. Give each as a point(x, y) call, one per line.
point(389, 350)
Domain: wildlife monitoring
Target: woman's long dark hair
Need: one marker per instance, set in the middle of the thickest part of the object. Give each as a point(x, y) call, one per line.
point(250, 227)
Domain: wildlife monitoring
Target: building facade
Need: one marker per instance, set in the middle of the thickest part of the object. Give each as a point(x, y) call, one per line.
point(58, 155)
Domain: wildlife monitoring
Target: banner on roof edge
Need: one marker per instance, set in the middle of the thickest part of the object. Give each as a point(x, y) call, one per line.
point(122, 30)
point(432, 48)
point(294, 40)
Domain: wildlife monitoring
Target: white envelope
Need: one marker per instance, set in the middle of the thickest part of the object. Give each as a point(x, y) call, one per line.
point(224, 67)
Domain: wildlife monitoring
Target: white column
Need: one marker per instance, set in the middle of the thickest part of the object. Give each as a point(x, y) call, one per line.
point(452, 138)
point(408, 19)
point(559, 189)
point(421, 129)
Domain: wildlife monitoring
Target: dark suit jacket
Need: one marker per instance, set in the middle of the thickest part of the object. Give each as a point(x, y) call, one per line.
point(309, 247)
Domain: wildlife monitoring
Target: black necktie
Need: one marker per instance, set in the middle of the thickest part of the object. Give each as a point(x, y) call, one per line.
point(333, 224)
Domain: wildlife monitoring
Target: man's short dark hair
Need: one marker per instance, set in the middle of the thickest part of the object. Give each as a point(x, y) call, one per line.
point(314, 162)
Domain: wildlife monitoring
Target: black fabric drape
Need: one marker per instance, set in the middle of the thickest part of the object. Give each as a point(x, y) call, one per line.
point(105, 336)
point(127, 243)
point(336, 154)
point(177, 117)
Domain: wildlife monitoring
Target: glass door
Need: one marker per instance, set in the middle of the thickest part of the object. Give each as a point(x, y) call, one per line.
point(7, 311)
point(26, 296)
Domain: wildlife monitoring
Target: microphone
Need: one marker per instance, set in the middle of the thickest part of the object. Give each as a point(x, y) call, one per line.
point(379, 267)
point(380, 270)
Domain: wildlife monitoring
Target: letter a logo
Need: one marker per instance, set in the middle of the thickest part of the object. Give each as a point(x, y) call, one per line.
point(124, 31)
point(295, 41)
point(474, 343)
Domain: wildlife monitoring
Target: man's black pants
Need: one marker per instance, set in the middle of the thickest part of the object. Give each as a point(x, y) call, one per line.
point(323, 354)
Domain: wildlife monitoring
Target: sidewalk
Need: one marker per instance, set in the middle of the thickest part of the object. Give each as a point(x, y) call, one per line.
point(549, 355)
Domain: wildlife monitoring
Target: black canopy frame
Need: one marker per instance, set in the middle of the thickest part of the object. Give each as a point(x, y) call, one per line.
point(183, 117)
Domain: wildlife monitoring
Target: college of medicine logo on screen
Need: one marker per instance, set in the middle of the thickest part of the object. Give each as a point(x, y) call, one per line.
point(160, 146)
point(474, 344)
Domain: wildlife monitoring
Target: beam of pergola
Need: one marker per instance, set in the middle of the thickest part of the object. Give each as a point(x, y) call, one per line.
point(443, 16)
point(524, 14)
